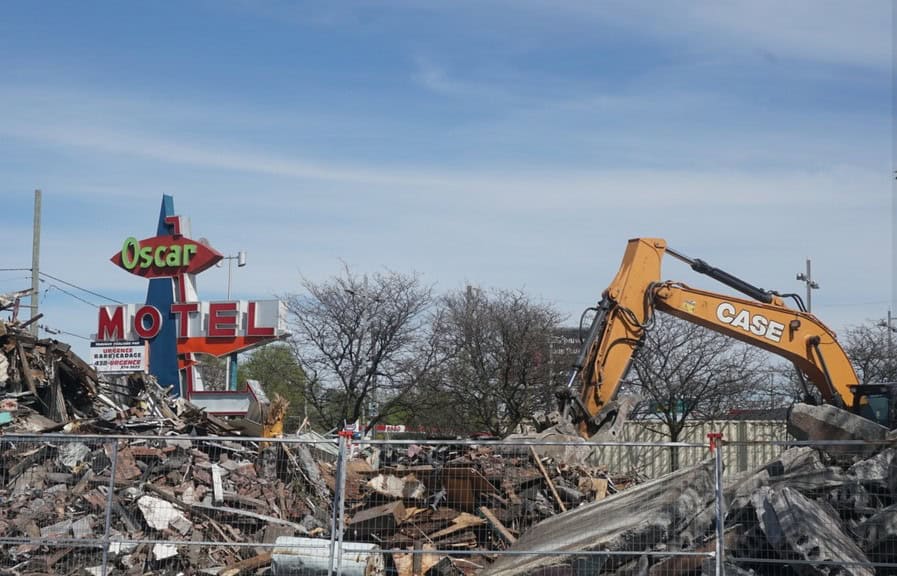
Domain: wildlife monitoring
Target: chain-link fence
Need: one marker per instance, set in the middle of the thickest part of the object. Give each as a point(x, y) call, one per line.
point(157, 505)
point(214, 505)
point(816, 508)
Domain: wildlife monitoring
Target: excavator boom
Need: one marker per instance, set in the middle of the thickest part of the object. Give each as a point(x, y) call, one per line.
point(627, 309)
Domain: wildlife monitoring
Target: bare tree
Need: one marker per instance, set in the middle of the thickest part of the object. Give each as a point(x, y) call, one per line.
point(495, 358)
point(363, 343)
point(779, 385)
point(870, 348)
point(690, 372)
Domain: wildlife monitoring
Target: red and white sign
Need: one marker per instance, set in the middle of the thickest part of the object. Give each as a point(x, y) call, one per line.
point(112, 357)
point(213, 328)
point(165, 256)
point(216, 328)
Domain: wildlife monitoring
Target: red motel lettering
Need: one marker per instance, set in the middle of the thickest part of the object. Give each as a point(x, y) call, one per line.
point(147, 322)
point(236, 324)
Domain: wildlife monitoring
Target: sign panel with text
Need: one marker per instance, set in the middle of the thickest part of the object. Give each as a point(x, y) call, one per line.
point(119, 357)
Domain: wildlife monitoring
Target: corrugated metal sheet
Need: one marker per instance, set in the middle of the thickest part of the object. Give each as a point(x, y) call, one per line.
point(655, 461)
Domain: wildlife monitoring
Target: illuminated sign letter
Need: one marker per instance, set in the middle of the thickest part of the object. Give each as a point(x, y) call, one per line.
point(129, 253)
point(149, 330)
point(111, 327)
point(222, 319)
point(181, 311)
point(251, 328)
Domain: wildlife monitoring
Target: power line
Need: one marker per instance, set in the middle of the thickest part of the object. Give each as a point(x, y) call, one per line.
point(49, 330)
point(67, 283)
point(91, 292)
point(75, 296)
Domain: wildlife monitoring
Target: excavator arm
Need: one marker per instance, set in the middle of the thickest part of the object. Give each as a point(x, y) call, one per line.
point(626, 312)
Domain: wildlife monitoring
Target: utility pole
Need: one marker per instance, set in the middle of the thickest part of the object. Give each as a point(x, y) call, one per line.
point(890, 346)
point(890, 329)
point(811, 285)
point(35, 263)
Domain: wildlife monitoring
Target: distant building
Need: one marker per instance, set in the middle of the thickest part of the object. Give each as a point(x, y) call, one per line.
point(563, 349)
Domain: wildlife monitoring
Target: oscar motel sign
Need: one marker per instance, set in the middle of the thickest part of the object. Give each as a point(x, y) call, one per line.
point(175, 323)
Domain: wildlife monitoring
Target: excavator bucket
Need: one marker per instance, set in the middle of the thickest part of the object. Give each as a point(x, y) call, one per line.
point(265, 417)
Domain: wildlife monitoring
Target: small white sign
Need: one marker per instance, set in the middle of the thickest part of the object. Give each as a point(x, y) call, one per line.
point(130, 356)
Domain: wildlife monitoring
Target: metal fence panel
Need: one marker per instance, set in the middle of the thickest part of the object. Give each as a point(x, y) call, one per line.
point(138, 505)
point(169, 505)
point(765, 432)
point(207, 505)
point(52, 511)
point(517, 508)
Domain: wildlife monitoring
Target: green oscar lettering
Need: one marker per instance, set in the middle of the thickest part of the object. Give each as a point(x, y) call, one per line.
point(129, 253)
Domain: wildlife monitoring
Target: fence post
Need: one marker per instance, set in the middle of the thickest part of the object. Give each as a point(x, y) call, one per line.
point(110, 500)
point(337, 522)
point(743, 447)
point(716, 448)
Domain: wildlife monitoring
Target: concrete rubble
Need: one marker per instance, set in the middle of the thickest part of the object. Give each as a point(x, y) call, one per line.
point(656, 513)
point(829, 509)
point(830, 423)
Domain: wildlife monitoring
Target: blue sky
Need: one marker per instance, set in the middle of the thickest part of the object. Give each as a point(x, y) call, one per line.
point(511, 144)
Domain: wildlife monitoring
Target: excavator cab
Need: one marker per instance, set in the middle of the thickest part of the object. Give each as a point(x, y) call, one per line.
point(876, 402)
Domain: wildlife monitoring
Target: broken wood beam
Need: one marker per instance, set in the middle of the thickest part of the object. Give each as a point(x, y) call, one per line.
point(31, 321)
point(26, 371)
point(247, 565)
point(382, 520)
point(496, 524)
point(240, 512)
point(38, 455)
point(545, 475)
point(225, 510)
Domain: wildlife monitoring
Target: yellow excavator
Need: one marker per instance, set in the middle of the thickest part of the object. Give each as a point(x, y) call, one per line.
point(626, 311)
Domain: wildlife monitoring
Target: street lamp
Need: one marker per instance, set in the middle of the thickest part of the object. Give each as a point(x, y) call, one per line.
point(240, 257)
point(230, 367)
point(811, 285)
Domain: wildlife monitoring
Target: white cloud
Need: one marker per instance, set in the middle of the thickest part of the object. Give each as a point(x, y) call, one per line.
point(855, 32)
point(437, 80)
point(558, 231)
point(658, 187)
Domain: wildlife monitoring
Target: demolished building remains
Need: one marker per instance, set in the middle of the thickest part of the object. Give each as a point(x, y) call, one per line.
point(112, 475)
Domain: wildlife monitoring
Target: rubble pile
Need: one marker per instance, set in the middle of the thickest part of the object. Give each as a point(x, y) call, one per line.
point(464, 497)
point(204, 490)
point(834, 504)
point(157, 470)
point(820, 509)
point(178, 473)
point(45, 387)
